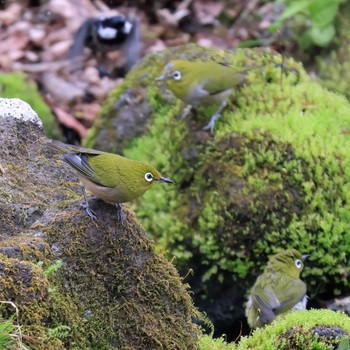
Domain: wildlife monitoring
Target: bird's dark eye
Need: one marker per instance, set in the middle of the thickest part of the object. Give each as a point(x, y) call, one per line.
point(177, 75)
point(298, 264)
point(149, 177)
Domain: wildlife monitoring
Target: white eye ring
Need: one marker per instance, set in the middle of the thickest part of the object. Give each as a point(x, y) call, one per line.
point(149, 177)
point(177, 75)
point(298, 263)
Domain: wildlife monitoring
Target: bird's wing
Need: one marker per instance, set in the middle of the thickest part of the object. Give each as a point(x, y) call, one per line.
point(92, 164)
point(265, 301)
point(80, 38)
point(221, 81)
point(292, 293)
point(80, 163)
point(64, 147)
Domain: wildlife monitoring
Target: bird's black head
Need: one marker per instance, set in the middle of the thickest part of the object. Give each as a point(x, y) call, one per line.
point(113, 30)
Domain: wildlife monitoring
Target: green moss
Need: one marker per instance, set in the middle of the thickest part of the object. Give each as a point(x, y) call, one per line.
point(25, 284)
point(136, 289)
point(17, 85)
point(28, 281)
point(313, 329)
point(207, 342)
point(27, 248)
point(274, 175)
point(151, 299)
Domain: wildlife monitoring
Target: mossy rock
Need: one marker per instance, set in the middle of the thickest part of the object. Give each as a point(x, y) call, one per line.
point(275, 175)
point(207, 342)
point(301, 330)
point(24, 284)
point(128, 111)
point(111, 290)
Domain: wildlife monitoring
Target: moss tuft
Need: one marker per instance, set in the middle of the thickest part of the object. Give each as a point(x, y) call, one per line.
point(207, 342)
point(313, 329)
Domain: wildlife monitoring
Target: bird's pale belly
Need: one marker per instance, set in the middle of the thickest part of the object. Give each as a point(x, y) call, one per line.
point(199, 96)
point(107, 194)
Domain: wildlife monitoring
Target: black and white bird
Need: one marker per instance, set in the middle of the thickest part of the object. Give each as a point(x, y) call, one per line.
point(106, 34)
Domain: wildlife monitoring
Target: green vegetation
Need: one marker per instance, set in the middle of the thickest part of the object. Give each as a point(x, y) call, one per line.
point(335, 69)
point(11, 336)
point(7, 329)
point(313, 21)
point(274, 176)
point(52, 269)
point(88, 315)
point(17, 85)
point(206, 342)
point(26, 283)
point(313, 329)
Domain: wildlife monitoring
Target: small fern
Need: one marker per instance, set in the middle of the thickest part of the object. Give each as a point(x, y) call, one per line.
point(52, 269)
point(60, 332)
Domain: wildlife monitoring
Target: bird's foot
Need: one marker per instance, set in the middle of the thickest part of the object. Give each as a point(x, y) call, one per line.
point(86, 206)
point(120, 214)
point(89, 211)
point(211, 124)
point(186, 112)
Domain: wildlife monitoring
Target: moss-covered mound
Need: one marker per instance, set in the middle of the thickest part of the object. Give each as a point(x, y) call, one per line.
point(274, 175)
point(78, 283)
point(313, 329)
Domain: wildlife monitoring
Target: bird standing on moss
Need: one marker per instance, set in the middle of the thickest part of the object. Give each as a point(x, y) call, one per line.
point(110, 177)
point(202, 83)
point(278, 289)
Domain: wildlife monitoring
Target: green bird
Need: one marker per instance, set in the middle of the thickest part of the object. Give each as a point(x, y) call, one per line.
point(202, 83)
point(278, 289)
point(110, 177)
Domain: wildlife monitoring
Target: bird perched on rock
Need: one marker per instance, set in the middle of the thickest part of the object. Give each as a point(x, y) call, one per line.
point(278, 289)
point(202, 83)
point(106, 34)
point(110, 177)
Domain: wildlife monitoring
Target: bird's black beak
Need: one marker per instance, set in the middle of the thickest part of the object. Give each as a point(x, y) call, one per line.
point(165, 179)
point(162, 77)
point(305, 256)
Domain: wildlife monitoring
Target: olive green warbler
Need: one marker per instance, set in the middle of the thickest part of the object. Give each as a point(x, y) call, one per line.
point(278, 289)
point(202, 83)
point(110, 177)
